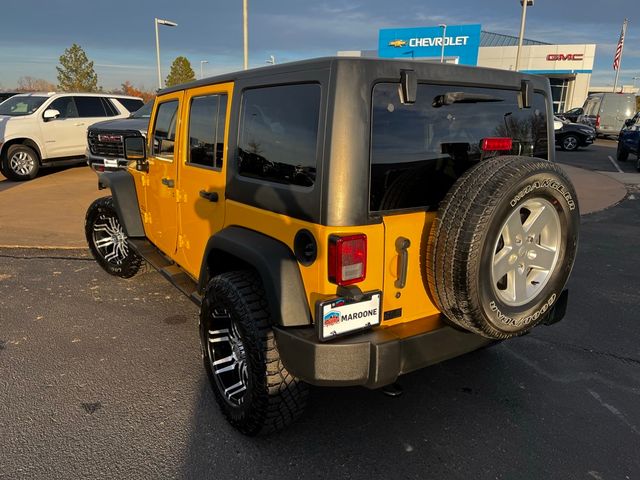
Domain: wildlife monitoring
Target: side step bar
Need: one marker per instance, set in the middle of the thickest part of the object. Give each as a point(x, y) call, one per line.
point(167, 268)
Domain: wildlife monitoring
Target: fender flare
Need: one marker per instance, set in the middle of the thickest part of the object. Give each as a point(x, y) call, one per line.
point(125, 200)
point(30, 142)
point(273, 260)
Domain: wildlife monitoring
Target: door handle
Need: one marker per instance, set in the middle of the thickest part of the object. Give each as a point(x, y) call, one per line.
point(402, 244)
point(168, 182)
point(211, 196)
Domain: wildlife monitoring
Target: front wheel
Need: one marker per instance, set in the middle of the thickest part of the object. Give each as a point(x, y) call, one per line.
point(20, 163)
point(254, 390)
point(569, 143)
point(622, 154)
point(108, 241)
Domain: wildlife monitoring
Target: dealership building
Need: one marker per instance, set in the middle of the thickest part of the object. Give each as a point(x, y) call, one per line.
point(567, 66)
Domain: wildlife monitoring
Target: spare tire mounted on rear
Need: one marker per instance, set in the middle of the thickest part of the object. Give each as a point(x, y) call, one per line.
point(502, 245)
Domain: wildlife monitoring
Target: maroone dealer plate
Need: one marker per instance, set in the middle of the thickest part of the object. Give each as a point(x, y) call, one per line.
point(340, 316)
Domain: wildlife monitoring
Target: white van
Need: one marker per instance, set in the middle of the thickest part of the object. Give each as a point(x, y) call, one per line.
point(40, 129)
point(606, 112)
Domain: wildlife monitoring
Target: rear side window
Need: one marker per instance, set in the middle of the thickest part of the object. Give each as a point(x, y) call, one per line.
point(90, 107)
point(206, 130)
point(419, 150)
point(164, 133)
point(279, 134)
point(131, 104)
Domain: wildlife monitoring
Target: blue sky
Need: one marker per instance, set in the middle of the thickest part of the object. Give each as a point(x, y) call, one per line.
point(119, 35)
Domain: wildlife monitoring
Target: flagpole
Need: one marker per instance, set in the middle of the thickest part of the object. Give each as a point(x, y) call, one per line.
point(624, 34)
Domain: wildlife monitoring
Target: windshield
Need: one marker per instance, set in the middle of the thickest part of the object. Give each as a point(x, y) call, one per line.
point(144, 111)
point(19, 105)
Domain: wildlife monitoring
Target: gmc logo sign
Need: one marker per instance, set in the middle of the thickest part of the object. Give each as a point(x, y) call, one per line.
point(555, 57)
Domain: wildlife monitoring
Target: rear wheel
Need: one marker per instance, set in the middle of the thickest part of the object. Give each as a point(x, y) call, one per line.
point(108, 241)
point(622, 154)
point(254, 390)
point(502, 245)
point(20, 163)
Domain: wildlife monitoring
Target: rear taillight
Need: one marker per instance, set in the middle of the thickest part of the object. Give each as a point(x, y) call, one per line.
point(100, 168)
point(491, 144)
point(598, 121)
point(347, 259)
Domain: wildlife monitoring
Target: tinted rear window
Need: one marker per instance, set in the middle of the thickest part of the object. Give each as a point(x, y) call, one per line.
point(419, 150)
point(279, 134)
point(131, 104)
point(90, 107)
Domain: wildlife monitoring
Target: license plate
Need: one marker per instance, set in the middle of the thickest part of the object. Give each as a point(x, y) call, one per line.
point(340, 316)
point(110, 163)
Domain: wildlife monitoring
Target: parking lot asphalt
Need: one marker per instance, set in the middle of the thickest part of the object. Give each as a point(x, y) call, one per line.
point(102, 378)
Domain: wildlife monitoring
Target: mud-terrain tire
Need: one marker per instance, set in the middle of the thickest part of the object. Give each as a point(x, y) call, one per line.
point(502, 245)
point(622, 154)
point(108, 241)
point(254, 390)
point(20, 163)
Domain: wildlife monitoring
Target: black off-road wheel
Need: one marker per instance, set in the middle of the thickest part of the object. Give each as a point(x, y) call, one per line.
point(108, 241)
point(622, 154)
point(502, 245)
point(20, 163)
point(254, 390)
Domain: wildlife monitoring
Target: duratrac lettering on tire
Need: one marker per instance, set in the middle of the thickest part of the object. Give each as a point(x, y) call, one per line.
point(502, 245)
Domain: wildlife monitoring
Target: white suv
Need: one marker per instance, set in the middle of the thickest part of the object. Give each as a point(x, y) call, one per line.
point(40, 129)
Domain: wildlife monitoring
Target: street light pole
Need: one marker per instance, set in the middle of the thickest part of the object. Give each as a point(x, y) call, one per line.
point(444, 38)
point(245, 32)
point(168, 23)
point(525, 4)
point(202, 62)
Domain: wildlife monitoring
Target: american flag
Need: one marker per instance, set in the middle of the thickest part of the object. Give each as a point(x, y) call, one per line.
point(616, 57)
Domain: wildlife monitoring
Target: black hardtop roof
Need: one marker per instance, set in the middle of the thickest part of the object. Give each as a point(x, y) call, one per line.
point(421, 68)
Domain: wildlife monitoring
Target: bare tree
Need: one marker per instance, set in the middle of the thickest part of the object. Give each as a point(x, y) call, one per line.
point(31, 84)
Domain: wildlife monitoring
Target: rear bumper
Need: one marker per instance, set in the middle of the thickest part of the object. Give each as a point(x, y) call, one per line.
point(372, 359)
point(378, 357)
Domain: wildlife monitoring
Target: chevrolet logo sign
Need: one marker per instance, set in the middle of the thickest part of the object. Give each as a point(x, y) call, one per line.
point(397, 43)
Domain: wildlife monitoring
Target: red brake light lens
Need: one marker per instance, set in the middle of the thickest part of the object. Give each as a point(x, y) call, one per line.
point(598, 121)
point(347, 259)
point(491, 144)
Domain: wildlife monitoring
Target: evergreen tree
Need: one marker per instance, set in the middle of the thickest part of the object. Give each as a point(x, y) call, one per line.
point(76, 73)
point(181, 72)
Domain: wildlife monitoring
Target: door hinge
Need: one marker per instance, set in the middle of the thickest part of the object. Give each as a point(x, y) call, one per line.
point(145, 180)
point(183, 242)
point(146, 217)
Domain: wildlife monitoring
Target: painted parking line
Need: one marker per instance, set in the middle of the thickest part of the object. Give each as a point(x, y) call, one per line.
point(615, 164)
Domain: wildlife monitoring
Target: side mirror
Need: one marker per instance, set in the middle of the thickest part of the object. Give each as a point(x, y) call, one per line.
point(135, 148)
point(557, 125)
point(628, 122)
point(50, 114)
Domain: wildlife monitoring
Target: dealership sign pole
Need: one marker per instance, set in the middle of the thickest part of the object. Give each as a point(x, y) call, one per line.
point(617, 58)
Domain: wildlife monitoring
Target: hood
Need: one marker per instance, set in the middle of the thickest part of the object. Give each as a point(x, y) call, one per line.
point(139, 124)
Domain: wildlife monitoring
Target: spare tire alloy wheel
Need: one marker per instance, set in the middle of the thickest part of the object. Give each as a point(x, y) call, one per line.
point(108, 241)
point(570, 143)
point(20, 163)
point(513, 225)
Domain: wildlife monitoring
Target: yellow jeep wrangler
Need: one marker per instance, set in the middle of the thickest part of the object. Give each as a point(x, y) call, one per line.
point(344, 221)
